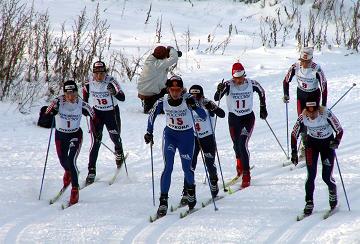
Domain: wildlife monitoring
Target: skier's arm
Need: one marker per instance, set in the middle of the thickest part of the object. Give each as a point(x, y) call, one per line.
point(53, 107)
point(155, 111)
point(323, 85)
point(85, 92)
point(335, 124)
point(213, 108)
point(87, 110)
point(119, 94)
point(260, 91)
point(296, 131)
point(219, 94)
point(290, 74)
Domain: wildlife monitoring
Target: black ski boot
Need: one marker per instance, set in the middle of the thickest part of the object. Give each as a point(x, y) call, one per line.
point(332, 198)
point(214, 188)
point(309, 206)
point(119, 158)
point(162, 210)
point(91, 176)
point(184, 198)
point(191, 197)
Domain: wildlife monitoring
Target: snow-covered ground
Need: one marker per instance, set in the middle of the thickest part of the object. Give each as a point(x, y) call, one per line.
point(263, 213)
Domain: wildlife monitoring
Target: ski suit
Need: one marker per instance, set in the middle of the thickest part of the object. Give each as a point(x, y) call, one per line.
point(68, 134)
point(319, 135)
point(178, 134)
point(107, 113)
point(241, 118)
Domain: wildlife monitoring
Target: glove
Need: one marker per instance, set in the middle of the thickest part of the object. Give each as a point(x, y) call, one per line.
point(111, 89)
point(148, 138)
point(294, 157)
point(209, 105)
point(220, 87)
point(190, 101)
point(334, 144)
point(286, 98)
point(263, 112)
point(179, 53)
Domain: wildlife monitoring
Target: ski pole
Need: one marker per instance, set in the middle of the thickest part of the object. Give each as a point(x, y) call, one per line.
point(218, 106)
point(354, 84)
point(46, 158)
point(287, 128)
point(342, 182)
point(152, 171)
point(276, 138)
point(118, 130)
point(217, 155)
point(203, 158)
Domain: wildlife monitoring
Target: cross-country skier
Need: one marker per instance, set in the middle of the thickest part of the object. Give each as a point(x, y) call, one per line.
point(178, 134)
point(320, 123)
point(104, 92)
point(204, 131)
point(239, 92)
point(68, 109)
point(311, 82)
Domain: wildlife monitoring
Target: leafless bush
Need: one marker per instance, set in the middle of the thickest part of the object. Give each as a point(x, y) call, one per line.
point(158, 31)
point(129, 65)
point(148, 14)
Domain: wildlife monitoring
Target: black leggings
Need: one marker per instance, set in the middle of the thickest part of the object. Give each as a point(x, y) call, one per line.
point(108, 119)
point(68, 147)
point(241, 128)
point(313, 148)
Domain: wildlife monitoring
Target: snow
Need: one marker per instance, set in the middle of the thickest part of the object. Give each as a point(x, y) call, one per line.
point(263, 213)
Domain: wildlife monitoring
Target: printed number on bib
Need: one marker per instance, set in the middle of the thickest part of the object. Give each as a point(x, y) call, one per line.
point(68, 123)
point(197, 126)
point(102, 101)
point(240, 103)
point(304, 85)
point(177, 121)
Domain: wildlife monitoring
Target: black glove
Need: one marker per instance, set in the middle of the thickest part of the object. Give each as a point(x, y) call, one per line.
point(334, 144)
point(148, 138)
point(179, 53)
point(286, 98)
point(209, 105)
point(220, 88)
point(294, 157)
point(190, 101)
point(263, 112)
point(111, 89)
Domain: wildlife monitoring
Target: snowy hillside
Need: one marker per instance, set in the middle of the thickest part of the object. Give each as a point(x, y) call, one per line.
point(263, 213)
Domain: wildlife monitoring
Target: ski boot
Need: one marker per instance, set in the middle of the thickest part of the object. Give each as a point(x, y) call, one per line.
point(245, 179)
point(67, 178)
point(191, 197)
point(184, 198)
point(91, 176)
point(119, 158)
point(332, 198)
point(74, 197)
point(309, 206)
point(162, 210)
point(239, 168)
point(214, 188)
